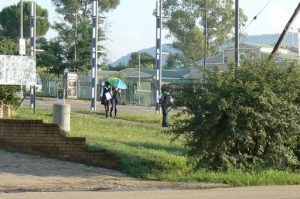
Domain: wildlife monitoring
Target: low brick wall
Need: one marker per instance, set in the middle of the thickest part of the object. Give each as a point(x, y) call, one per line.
point(48, 140)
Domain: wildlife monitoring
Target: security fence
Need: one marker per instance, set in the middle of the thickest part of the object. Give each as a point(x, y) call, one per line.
point(145, 95)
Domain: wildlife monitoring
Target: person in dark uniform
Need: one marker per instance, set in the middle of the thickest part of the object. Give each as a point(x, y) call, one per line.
point(116, 96)
point(105, 96)
point(166, 102)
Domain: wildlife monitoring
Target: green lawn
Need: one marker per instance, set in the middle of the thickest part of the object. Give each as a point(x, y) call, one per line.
point(147, 152)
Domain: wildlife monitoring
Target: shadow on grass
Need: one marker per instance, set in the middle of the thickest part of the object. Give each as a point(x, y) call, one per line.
point(143, 165)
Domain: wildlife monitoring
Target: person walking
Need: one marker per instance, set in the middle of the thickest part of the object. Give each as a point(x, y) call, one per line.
point(116, 96)
point(106, 95)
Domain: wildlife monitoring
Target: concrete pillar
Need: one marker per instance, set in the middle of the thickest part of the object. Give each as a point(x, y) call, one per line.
point(61, 116)
point(6, 112)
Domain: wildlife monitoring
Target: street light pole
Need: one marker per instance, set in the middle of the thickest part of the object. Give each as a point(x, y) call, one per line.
point(94, 54)
point(237, 34)
point(32, 46)
point(139, 90)
point(75, 36)
point(158, 52)
point(205, 42)
point(32, 28)
point(21, 19)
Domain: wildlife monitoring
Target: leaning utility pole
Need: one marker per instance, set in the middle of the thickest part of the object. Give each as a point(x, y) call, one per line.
point(158, 53)
point(284, 32)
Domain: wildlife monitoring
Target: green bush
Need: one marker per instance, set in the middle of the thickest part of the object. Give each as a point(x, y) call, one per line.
point(8, 95)
point(243, 118)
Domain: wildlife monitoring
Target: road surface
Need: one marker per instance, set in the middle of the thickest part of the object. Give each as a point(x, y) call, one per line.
point(271, 192)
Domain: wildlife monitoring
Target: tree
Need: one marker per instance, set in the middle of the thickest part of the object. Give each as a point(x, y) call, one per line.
point(243, 118)
point(66, 29)
point(8, 93)
point(8, 47)
point(53, 59)
point(10, 21)
point(173, 61)
point(185, 23)
point(146, 60)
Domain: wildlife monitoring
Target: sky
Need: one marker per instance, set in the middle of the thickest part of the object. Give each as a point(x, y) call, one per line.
point(131, 26)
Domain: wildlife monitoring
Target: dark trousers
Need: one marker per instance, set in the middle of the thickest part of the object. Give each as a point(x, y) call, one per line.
point(165, 120)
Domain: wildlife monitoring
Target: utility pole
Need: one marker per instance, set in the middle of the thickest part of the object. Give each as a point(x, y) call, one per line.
point(95, 54)
point(21, 19)
point(75, 47)
point(22, 43)
point(284, 32)
point(205, 42)
point(139, 88)
point(32, 46)
point(78, 12)
point(237, 33)
point(32, 28)
point(158, 52)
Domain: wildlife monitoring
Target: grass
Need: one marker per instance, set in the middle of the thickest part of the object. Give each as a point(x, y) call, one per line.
point(142, 118)
point(146, 150)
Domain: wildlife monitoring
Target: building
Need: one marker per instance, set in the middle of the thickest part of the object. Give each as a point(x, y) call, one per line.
point(247, 52)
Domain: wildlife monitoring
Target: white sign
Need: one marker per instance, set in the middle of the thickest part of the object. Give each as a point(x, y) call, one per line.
point(72, 79)
point(22, 46)
point(17, 70)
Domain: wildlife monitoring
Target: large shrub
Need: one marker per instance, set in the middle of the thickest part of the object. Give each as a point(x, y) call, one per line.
point(243, 118)
point(8, 95)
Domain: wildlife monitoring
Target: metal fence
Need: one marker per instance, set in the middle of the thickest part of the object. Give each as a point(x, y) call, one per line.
point(145, 95)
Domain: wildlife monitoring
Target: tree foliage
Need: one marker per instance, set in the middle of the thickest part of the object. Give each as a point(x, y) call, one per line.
point(10, 21)
point(146, 60)
point(8, 47)
point(8, 95)
point(83, 26)
point(185, 23)
point(53, 58)
point(243, 118)
point(173, 61)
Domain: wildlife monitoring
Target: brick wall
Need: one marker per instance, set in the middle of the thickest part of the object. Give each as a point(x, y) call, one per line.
point(48, 140)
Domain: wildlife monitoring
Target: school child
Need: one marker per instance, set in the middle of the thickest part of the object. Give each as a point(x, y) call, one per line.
point(106, 95)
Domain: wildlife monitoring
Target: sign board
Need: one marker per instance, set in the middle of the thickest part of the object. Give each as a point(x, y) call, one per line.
point(61, 95)
point(72, 80)
point(17, 70)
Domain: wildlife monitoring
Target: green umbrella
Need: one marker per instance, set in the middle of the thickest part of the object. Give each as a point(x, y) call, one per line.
point(117, 82)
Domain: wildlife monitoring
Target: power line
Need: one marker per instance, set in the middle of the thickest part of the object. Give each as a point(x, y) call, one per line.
point(255, 17)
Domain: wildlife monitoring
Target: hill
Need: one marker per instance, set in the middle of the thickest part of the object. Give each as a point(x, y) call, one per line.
point(167, 48)
point(290, 41)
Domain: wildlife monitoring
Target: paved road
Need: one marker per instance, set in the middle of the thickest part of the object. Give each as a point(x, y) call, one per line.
point(273, 192)
point(47, 103)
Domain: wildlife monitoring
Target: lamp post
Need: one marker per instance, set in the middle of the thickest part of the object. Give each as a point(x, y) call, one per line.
point(139, 88)
point(94, 54)
point(237, 33)
point(158, 52)
point(78, 12)
point(32, 46)
point(205, 41)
